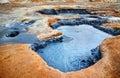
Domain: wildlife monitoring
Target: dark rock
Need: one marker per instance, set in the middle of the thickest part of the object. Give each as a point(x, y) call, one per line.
point(38, 45)
point(30, 22)
point(65, 11)
point(108, 30)
point(48, 11)
point(95, 55)
point(93, 16)
point(74, 22)
point(78, 63)
point(42, 44)
point(12, 33)
point(66, 22)
point(74, 11)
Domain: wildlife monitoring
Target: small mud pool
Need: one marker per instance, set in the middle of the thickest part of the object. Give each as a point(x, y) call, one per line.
point(77, 50)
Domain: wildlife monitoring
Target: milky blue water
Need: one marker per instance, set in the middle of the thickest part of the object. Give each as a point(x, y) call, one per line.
point(21, 38)
point(73, 53)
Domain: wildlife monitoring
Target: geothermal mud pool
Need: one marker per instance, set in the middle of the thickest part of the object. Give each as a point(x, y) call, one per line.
point(76, 49)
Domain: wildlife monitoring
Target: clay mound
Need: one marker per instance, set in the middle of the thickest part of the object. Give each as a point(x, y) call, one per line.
point(19, 61)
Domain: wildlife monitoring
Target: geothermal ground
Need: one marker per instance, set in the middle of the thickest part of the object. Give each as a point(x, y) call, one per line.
point(66, 37)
